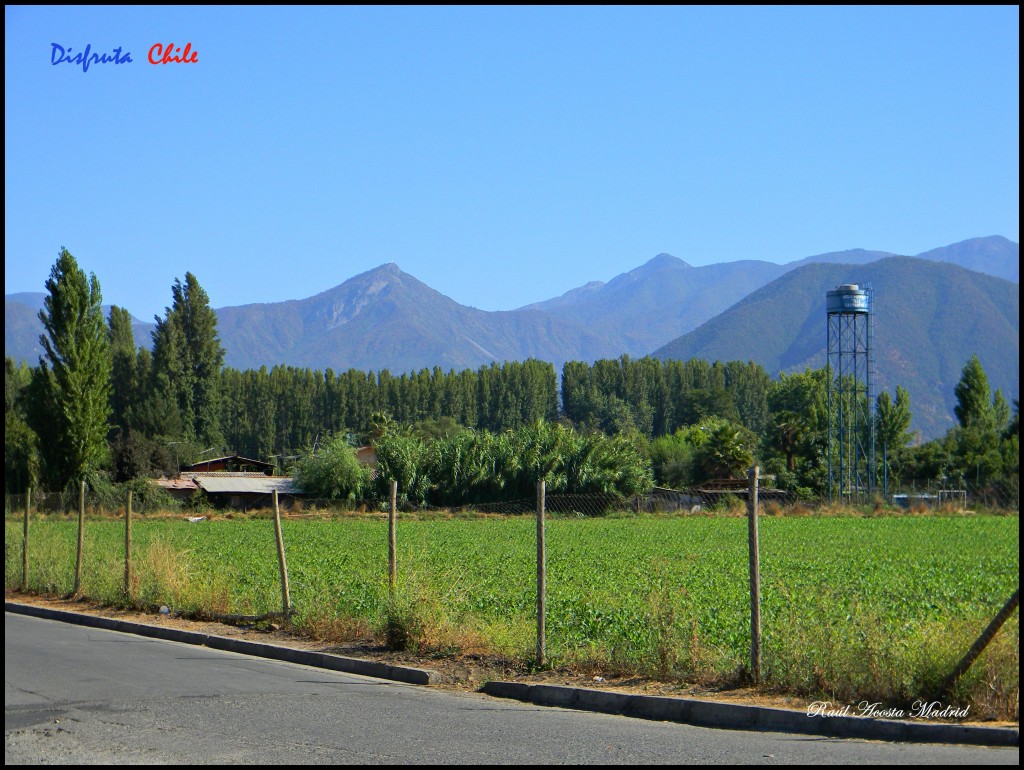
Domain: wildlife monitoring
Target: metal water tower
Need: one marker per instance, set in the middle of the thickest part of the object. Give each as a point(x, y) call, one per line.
point(851, 397)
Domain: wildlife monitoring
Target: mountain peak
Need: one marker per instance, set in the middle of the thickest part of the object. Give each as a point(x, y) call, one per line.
point(380, 276)
point(666, 260)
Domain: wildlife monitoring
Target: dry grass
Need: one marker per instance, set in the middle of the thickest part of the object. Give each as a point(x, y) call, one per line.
point(336, 629)
point(166, 576)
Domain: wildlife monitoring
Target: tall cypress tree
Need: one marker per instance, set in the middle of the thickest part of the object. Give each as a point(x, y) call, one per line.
point(75, 374)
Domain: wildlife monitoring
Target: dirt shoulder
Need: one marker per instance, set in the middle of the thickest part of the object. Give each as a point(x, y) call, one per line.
point(464, 673)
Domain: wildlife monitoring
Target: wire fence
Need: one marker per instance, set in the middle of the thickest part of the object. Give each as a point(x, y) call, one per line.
point(721, 497)
point(806, 594)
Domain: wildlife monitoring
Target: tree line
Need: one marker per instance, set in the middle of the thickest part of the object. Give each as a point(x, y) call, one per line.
point(98, 405)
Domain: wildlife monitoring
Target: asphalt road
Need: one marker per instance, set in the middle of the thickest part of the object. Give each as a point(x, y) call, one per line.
point(86, 696)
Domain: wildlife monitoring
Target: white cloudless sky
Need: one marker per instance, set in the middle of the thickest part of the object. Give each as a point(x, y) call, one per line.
point(501, 155)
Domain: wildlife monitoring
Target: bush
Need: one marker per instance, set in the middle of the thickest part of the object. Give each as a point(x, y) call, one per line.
point(672, 460)
point(403, 458)
point(147, 497)
point(483, 467)
point(334, 472)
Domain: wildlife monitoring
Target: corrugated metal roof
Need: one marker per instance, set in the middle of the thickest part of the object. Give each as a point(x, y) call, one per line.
point(182, 483)
point(248, 485)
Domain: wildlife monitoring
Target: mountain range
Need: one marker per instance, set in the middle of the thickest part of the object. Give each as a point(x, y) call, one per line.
point(928, 319)
point(932, 312)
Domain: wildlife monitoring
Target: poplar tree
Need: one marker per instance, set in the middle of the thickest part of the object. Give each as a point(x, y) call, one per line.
point(21, 456)
point(977, 447)
point(75, 374)
point(187, 359)
point(893, 419)
point(124, 384)
point(973, 408)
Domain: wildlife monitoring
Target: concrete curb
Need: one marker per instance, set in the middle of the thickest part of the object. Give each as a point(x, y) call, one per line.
point(685, 710)
point(739, 717)
point(405, 674)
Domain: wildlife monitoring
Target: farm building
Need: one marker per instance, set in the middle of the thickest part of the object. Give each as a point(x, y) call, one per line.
point(227, 489)
point(232, 464)
point(242, 491)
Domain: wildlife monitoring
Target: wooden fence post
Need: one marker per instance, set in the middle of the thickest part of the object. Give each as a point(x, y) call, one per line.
point(24, 548)
point(755, 577)
point(981, 642)
point(392, 552)
point(128, 548)
point(81, 539)
point(285, 594)
point(541, 575)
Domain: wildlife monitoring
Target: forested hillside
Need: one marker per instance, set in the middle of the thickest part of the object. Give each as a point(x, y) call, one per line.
point(928, 319)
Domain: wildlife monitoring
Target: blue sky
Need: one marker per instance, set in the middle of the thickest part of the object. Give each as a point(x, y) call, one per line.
point(501, 155)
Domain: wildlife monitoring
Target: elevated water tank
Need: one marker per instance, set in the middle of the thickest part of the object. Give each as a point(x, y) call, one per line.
point(848, 298)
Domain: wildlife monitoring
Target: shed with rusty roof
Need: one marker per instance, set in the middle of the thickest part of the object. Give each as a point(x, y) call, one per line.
point(232, 464)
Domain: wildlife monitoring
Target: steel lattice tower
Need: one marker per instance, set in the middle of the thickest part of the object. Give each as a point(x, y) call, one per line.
point(851, 398)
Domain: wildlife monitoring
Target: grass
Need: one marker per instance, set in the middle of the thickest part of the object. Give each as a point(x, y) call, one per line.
point(853, 607)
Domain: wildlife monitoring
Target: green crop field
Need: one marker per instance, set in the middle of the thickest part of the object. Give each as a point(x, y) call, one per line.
point(852, 607)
